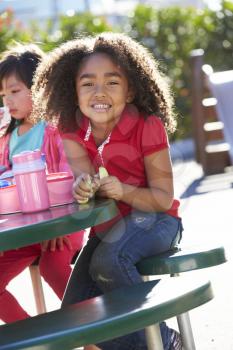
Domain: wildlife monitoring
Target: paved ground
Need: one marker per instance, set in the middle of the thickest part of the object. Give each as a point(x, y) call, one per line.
point(206, 207)
point(207, 217)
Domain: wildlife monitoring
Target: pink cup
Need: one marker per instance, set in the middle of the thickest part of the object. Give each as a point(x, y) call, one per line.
point(30, 179)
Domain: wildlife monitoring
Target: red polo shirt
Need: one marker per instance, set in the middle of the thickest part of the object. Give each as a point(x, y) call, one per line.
point(133, 138)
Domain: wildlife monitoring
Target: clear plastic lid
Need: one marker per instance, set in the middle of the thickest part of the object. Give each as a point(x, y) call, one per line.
point(4, 183)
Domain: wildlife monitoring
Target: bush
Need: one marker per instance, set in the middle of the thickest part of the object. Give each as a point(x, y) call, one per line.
point(10, 30)
point(68, 28)
point(171, 34)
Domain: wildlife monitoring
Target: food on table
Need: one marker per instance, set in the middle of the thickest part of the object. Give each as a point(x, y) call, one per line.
point(102, 172)
point(91, 183)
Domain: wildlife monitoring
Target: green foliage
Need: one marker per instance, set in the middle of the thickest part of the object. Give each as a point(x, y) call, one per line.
point(10, 30)
point(219, 46)
point(169, 33)
point(69, 27)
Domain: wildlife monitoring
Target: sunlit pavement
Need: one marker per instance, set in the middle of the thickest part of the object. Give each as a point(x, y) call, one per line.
point(208, 219)
point(206, 208)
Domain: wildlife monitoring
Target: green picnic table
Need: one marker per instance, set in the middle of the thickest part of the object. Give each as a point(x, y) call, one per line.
point(106, 317)
point(18, 230)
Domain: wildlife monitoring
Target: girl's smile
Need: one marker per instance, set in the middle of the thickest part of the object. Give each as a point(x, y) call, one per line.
point(102, 90)
point(100, 108)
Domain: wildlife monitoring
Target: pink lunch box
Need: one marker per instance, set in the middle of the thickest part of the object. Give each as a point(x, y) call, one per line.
point(9, 200)
point(60, 188)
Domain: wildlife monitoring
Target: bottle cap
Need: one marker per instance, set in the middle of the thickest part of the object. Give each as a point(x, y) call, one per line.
point(4, 183)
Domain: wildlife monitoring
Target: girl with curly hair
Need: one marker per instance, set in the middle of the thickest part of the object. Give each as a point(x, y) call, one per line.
point(17, 67)
point(114, 109)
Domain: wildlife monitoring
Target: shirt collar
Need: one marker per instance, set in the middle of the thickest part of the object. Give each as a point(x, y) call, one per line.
point(128, 121)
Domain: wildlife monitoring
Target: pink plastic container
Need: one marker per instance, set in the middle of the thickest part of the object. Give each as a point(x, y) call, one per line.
point(9, 200)
point(60, 188)
point(30, 179)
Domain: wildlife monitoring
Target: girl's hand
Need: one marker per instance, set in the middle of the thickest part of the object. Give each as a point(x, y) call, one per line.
point(84, 187)
point(56, 244)
point(1, 254)
point(111, 187)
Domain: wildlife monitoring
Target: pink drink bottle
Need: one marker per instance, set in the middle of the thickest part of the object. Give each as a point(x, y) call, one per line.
point(31, 183)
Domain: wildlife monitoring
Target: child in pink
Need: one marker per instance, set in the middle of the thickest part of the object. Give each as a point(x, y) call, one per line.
point(17, 68)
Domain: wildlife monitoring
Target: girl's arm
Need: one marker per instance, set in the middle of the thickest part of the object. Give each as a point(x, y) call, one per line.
point(77, 158)
point(159, 194)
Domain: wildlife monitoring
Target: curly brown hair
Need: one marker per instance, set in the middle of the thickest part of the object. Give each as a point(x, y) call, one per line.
point(54, 91)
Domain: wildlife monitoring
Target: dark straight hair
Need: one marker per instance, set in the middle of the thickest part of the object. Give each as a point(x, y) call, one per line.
point(21, 61)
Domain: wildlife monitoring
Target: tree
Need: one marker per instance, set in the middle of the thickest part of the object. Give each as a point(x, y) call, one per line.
point(11, 30)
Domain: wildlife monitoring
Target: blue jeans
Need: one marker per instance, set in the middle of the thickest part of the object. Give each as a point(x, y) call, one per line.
point(108, 262)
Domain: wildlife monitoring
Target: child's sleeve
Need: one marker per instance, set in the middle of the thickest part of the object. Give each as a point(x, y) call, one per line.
point(154, 136)
point(73, 137)
point(4, 150)
point(54, 151)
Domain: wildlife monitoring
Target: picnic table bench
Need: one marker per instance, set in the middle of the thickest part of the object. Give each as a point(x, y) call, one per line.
point(114, 314)
point(174, 262)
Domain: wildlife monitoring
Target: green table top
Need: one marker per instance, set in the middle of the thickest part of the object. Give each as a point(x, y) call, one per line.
point(18, 230)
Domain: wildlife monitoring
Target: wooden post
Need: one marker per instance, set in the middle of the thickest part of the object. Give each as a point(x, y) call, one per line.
point(197, 108)
point(212, 152)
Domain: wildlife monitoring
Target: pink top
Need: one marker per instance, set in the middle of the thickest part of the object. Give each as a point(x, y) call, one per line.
point(52, 147)
point(56, 161)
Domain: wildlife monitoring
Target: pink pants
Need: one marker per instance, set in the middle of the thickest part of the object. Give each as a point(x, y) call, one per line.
point(54, 267)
